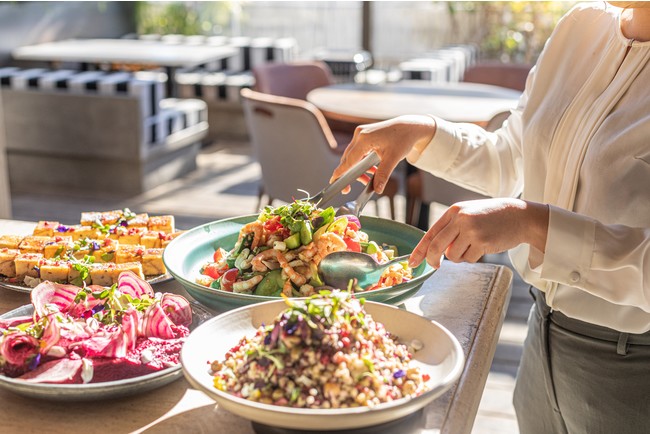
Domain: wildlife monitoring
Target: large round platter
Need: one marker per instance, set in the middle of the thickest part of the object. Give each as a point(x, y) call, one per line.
point(7, 283)
point(441, 357)
point(185, 256)
point(96, 391)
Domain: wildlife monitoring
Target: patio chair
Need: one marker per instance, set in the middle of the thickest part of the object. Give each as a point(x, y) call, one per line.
point(292, 80)
point(424, 189)
point(296, 80)
point(5, 197)
point(510, 75)
point(295, 148)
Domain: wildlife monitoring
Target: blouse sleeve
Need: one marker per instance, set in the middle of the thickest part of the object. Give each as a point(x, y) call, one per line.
point(607, 261)
point(489, 163)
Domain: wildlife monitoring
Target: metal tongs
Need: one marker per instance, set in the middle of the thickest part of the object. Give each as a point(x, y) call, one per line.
point(353, 207)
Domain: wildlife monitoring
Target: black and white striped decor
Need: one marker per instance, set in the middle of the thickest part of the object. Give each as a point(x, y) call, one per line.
point(161, 117)
point(446, 64)
point(213, 86)
point(148, 89)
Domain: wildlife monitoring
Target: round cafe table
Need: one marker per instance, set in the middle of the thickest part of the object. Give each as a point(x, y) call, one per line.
point(457, 102)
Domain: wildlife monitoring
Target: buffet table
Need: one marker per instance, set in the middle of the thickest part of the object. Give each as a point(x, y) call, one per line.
point(126, 51)
point(468, 299)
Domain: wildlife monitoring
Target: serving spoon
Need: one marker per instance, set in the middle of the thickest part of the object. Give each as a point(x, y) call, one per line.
point(338, 268)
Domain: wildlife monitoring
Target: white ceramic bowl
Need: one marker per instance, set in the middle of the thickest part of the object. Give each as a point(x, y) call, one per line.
point(441, 358)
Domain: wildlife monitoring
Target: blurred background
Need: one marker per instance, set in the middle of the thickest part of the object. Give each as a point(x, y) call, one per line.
point(391, 30)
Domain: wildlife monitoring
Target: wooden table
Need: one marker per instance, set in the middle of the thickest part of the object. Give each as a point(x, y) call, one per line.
point(469, 299)
point(125, 51)
point(457, 102)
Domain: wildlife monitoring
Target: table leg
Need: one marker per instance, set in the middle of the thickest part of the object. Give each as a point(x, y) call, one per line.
point(171, 82)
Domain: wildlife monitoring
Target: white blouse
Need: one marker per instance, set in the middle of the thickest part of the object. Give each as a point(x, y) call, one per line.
point(579, 141)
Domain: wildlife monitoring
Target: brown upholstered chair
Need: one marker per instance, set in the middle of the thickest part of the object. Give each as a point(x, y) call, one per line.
point(292, 80)
point(510, 75)
point(294, 147)
point(296, 80)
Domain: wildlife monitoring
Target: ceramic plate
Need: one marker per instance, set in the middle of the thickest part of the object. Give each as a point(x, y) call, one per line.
point(441, 357)
point(185, 256)
point(95, 391)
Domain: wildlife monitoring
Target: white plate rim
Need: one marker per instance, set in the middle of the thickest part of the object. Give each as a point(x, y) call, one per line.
point(298, 418)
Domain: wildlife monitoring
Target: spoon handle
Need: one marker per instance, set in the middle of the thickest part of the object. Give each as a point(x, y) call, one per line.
point(398, 259)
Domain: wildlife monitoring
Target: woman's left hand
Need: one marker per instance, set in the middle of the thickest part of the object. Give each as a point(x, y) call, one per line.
point(469, 230)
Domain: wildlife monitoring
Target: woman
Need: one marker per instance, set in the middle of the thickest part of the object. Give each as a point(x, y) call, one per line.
point(577, 149)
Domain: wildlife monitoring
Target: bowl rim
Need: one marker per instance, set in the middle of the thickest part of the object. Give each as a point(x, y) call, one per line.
point(445, 383)
point(427, 271)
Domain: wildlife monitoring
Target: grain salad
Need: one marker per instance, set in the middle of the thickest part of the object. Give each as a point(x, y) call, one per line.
point(321, 352)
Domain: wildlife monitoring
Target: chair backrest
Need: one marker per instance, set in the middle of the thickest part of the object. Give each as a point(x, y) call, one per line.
point(510, 75)
point(292, 80)
point(292, 143)
point(5, 197)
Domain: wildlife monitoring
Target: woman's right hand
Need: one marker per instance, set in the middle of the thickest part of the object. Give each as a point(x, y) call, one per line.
point(392, 140)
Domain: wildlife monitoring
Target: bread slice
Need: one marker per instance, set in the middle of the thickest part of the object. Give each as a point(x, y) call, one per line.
point(135, 267)
point(170, 237)
point(10, 241)
point(79, 232)
point(129, 253)
point(45, 228)
point(139, 221)
point(58, 246)
point(152, 262)
point(106, 252)
point(7, 265)
point(103, 274)
point(33, 244)
point(90, 218)
point(55, 270)
point(152, 239)
point(27, 264)
point(162, 223)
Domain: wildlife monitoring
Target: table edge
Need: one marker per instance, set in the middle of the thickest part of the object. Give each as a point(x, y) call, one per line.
point(495, 310)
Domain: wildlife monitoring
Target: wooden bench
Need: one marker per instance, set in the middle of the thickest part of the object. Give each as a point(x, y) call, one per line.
point(95, 131)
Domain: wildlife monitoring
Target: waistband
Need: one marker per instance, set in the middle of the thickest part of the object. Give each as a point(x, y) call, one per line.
point(585, 328)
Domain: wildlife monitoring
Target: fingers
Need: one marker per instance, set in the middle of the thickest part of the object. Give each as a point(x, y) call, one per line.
point(382, 174)
point(473, 254)
point(434, 242)
point(353, 153)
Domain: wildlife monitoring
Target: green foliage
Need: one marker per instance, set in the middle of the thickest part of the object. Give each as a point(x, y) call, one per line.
point(182, 18)
point(512, 31)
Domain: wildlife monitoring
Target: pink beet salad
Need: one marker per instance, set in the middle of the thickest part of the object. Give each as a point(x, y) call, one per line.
point(322, 352)
point(94, 334)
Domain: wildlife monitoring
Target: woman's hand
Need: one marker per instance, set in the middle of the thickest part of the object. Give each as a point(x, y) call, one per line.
point(392, 140)
point(469, 230)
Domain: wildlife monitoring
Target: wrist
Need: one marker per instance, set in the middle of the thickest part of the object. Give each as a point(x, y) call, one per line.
point(536, 231)
point(425, 132)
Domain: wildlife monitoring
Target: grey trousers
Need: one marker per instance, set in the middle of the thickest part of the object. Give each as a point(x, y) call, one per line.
point(575, 377)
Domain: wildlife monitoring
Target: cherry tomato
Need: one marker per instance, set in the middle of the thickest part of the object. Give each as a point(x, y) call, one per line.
point(218, 255)
point(273, 224)
point(213, 271)
point(353, 246)
point(353, 226)
point(228, 278)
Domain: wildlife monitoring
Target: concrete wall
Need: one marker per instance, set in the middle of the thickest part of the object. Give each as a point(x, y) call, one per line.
point(26, 23)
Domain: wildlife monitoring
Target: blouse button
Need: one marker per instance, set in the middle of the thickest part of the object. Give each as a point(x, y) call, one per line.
point(574, 277)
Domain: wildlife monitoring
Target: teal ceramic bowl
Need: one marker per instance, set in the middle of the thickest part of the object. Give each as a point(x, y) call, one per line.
point(185, 256)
